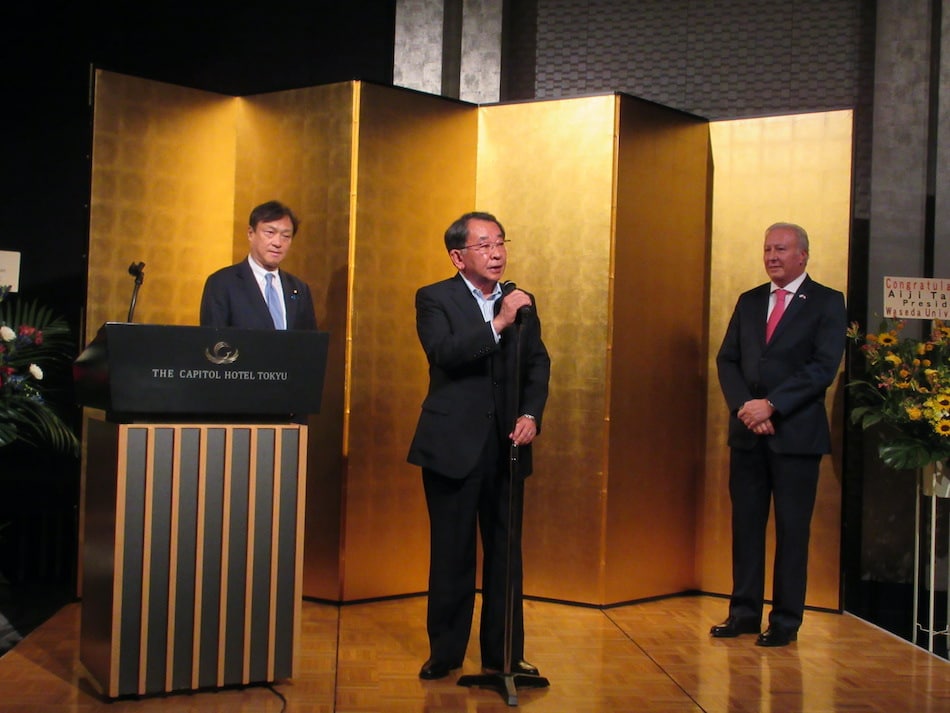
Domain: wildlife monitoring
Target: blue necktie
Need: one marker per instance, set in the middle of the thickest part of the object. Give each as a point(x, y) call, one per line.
point(273, 302)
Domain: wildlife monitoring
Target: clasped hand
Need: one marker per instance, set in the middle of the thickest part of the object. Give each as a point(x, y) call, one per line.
point(756, 415)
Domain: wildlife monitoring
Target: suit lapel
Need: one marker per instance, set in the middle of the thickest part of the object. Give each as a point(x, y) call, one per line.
point(464, 299)
point(290, 299)
point(761, 311)
point(253, 292)
point(794, 307)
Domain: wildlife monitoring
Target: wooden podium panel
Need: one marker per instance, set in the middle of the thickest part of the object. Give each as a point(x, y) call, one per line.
point(192, 555)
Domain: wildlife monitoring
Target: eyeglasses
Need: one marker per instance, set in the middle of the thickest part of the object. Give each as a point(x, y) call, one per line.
point(485, 248)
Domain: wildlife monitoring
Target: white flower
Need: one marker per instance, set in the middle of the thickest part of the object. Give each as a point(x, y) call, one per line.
point(36, 372)
point(7, 334)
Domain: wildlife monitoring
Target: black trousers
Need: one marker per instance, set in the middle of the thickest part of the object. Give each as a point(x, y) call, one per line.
point(758, 477)
point(457, 509)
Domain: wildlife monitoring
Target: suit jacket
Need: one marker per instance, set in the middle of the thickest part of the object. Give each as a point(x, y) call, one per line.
point(232, 298)
point(793, 370)
point(471, 379)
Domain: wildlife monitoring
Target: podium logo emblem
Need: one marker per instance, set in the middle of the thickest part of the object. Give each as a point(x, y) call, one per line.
point(222, 353)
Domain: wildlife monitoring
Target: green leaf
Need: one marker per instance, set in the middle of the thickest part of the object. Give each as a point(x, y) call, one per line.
point(35, 423)
point(908, 454)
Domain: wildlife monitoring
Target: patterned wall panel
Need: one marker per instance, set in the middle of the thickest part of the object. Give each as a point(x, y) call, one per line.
point(162, 193)
point(417, 59)
point(725, 59)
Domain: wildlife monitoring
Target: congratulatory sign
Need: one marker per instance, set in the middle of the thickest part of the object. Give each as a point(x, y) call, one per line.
point(916, 298)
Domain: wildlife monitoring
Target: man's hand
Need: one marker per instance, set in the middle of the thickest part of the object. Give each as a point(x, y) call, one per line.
point(510, 304)
point(525, 431)
point(756, 414)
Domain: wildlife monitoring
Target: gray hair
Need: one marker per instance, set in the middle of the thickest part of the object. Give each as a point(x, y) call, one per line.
point(795, 228)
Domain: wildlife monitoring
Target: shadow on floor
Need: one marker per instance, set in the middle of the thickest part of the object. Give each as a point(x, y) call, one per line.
point(24, 608)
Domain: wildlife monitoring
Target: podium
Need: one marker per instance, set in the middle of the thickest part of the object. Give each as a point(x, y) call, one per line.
point(194, 504)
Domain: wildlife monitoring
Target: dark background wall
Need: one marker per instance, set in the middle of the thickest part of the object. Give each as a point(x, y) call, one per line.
point(46, 59)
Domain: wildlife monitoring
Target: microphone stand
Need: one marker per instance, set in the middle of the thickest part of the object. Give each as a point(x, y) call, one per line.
point(136, 269)
point(506, 682)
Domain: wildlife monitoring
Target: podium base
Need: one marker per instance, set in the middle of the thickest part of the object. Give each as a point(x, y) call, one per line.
point(507, 684)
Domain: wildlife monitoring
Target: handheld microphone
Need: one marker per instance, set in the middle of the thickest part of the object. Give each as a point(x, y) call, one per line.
point(506, 289)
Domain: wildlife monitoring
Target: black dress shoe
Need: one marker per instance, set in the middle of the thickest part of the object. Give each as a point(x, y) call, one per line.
point(733, 626)
point(521, 666)
point(433, 669)
point(776, 636)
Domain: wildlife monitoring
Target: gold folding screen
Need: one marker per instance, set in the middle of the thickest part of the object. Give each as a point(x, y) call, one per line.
point(162, 194)
point(784, 168)
point(658, 347)
point(605, 199)
point(415, 174)
point(607, 202)
point(546, 170)
point(297, 146)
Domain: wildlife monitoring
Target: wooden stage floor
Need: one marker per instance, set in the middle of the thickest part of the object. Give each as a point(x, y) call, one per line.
point(653, 657)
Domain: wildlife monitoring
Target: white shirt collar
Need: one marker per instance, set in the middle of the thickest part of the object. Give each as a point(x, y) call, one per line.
point(791, 287)
point(260, 273)
point(478, 294)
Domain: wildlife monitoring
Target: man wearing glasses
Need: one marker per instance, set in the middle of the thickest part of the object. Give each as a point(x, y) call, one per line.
point(488, 384)
point(255, 294)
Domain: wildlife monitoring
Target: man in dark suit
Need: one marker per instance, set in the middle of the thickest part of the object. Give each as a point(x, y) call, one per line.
point(255, 294)
point(780, 353)
point(488, 384)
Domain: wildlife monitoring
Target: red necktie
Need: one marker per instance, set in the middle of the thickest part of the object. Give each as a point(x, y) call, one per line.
point(777, 311)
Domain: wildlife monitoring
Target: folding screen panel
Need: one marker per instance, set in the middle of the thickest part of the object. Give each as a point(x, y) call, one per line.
point(605, 200)
point(297, 146)
point(658, 347)
point(162, 193)
point(783, 168)
point(546, 169)
point(415, 173)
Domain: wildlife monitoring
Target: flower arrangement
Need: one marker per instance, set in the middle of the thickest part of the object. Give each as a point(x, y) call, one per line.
point(33, 343)
point(906, 391)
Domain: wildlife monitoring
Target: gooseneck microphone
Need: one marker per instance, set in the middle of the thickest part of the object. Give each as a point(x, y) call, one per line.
point(137, 270)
